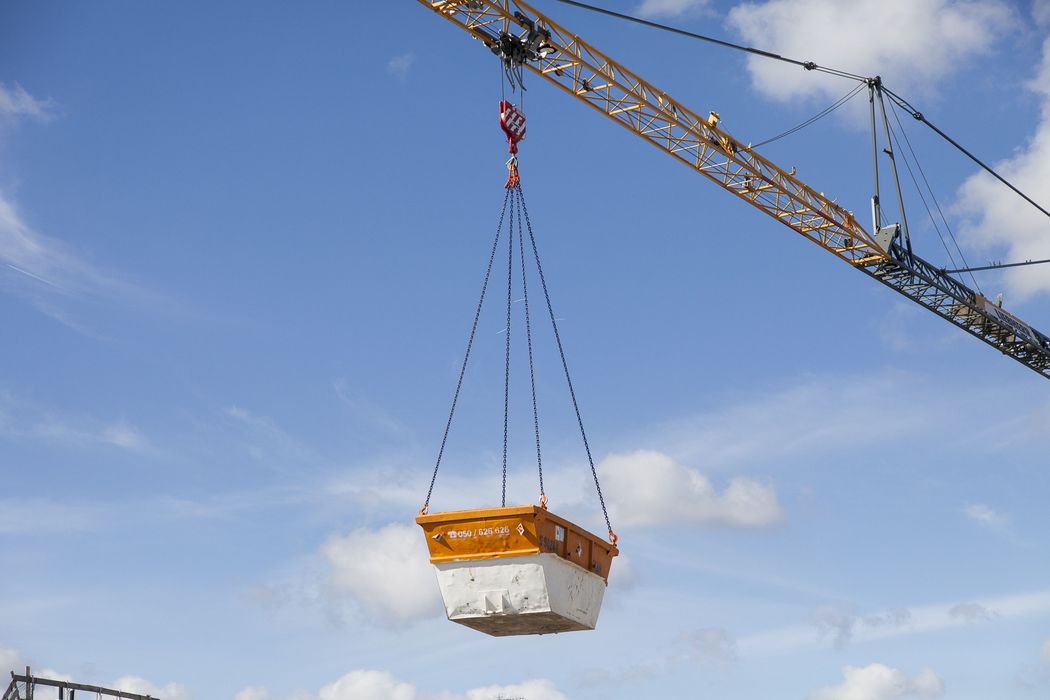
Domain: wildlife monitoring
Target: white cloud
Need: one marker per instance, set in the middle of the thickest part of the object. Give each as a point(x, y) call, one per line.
point(399, 66)
point(986, 516)
point(1002, 224)
point(380, 685)
point(880, 682)
point(252, 693)
point(11, 660)
point(1044, 653)
point(386, 572)
point(669, 8)
point(134, 684)
point(368, 685)
point(15, 102)
point(650, 488)
point(913, 44)
point(532, 690)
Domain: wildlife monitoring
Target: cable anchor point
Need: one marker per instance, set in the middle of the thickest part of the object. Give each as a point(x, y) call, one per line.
point(513, 178)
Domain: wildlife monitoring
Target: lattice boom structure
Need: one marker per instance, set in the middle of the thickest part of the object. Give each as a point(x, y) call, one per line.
point(621, 95)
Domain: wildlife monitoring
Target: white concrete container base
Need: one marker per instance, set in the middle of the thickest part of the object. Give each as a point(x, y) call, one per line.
point(536, 594)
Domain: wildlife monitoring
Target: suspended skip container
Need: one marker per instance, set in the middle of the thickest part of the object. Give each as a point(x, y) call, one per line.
point(517, 570)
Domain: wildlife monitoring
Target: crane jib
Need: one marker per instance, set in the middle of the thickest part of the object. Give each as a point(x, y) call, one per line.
point(581, 70)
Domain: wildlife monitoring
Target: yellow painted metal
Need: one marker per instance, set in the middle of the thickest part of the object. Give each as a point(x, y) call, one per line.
point(603, 84)
point(513, 531)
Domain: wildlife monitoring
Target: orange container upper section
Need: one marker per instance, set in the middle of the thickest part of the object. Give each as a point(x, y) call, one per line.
point(513, 531)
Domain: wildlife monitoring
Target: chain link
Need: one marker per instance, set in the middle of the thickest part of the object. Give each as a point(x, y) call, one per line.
point(506, 354)
point(564, 362)
point(466, 357)
point(528, 336)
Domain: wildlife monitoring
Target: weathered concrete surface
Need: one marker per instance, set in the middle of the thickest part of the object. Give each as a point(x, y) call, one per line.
point(538, 594)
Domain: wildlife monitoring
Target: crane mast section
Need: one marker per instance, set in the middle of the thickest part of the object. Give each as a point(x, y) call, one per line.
point(607, 86)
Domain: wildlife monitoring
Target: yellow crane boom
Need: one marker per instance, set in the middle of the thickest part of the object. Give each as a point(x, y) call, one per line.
point(520, 34)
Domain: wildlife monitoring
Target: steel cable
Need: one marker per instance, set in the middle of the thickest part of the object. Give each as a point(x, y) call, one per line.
point(918, 166)
point(815, 118)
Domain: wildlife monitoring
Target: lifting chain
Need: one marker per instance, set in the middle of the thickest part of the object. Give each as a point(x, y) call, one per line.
point(512, 121)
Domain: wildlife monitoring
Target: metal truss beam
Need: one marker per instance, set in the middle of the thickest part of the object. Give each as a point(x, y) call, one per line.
point(592, 77)
point(67, 689)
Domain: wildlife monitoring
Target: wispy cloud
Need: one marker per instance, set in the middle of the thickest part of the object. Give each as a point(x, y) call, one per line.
point(43, 270)
point(986, 517)
point(840, 624)
point(52, 278)
point(971, 612)
point(267, 442)
point(16, 103)
point(849, 627)
point(24, 420)
point(35, 516)
point(369, 412)
point(669, 8)
point(399, 66)
point(812, 415)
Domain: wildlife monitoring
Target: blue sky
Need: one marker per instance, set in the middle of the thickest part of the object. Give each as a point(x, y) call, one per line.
point(239, 250)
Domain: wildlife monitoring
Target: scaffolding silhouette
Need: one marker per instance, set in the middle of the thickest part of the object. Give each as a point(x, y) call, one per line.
point(23, 687)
